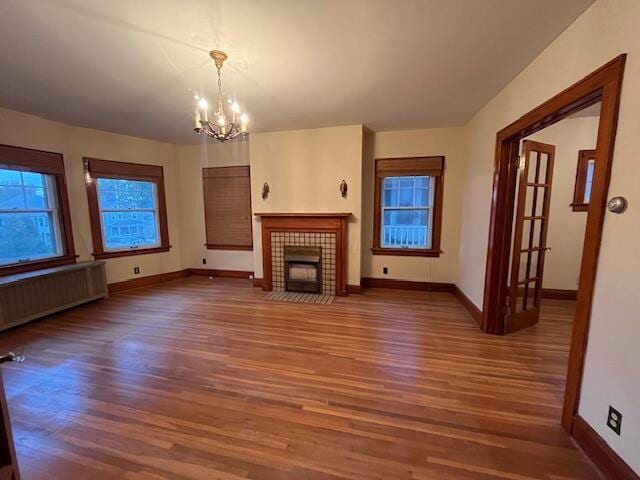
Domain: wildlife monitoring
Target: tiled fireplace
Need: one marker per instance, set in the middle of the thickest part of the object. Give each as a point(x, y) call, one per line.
point(327, 243)
point(326, 232)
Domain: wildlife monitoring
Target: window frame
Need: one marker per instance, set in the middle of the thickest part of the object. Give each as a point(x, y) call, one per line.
point(95, 169)
point(52, 164)
point(413, 166)
point(584, 156)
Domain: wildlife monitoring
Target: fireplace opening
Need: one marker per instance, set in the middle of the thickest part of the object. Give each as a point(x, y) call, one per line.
point(303, 269)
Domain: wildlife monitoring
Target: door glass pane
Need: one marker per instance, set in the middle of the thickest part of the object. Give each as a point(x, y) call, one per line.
point(531, 167)
point(544, 162)
point(589, 180)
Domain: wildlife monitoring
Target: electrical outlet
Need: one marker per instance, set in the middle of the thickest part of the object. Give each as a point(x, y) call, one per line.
point(385, 270)
point(136, 270)
point(204, 261)
point(614, 420)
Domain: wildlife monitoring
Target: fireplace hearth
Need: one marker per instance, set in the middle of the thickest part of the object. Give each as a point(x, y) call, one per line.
point(303, 268)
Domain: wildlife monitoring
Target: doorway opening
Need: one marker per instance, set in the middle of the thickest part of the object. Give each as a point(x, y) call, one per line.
point(600, 87)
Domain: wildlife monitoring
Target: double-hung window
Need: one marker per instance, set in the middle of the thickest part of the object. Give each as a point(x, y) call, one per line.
point(127, 207)
point(408, 206)
point(35, 227)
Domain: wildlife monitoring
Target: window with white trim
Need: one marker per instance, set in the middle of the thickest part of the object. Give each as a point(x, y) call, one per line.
point(408, 206)
point(127, 208)
point(128, 214)
point(29, 221)
point(407, 213)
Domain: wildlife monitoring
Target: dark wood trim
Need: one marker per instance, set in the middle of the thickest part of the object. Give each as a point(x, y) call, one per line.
point(401, 166)
point(355, 289)
point(213, 272)
point(307, 222)
point(28, 159)
point(211, 246)
point(405, 252)
point(124, 170)
point(602, 85)
point(578, 204)
point(554, 294)
point(49, 163)
point(9, 468)
point(258, 282)
point(96, 168)
point(469, 306)
point(559, 294)
point(602, 455)
point(312, 215)
point(146, 281)
point(132, 252)
point(37, 265)
point(368, 282)
point(432, 166)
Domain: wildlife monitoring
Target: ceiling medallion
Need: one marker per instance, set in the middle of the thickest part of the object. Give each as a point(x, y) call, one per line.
point(220, 128)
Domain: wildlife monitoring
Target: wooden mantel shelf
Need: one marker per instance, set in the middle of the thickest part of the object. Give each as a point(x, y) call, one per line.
point(316, 215)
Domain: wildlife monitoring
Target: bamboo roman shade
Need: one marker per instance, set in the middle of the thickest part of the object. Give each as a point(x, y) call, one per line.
point(390, 167)
point(227, 205)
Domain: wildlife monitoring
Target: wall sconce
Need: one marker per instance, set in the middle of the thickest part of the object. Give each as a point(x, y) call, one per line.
point(343, 188)
point(265, 191)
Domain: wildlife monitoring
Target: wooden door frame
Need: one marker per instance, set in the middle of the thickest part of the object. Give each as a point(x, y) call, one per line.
point(603, 85)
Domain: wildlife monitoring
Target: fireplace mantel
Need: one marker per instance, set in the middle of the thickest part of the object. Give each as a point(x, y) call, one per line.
point(323, 222)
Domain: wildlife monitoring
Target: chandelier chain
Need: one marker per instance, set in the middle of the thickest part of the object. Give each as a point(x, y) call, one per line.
point(220, 108)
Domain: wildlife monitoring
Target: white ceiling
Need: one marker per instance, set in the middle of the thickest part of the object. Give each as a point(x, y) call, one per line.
point(131, 66)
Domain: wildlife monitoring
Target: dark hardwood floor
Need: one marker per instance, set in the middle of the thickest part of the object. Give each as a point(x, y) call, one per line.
point(203, 379)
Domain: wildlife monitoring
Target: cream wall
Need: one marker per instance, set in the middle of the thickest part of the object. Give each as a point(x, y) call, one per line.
point(612, 377)
point(566, 227)
point(74, 143)
point(304, 169)
point(415, 143)
point(192, 159)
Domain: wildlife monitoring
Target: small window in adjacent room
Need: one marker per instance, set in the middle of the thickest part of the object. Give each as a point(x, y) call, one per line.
point(127, 208)
point(584, 179)
point(227, 208)
point(35, 225)
point(408, 206)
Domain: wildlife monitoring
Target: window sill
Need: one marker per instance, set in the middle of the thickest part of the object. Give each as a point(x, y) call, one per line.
point(128, 253)
point(405, 252)
point(214, 246)
point(37, 265)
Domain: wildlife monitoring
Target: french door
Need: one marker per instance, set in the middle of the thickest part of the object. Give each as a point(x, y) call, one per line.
point(530, 234)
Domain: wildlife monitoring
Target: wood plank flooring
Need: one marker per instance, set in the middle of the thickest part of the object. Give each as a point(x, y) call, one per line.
point(203, 379)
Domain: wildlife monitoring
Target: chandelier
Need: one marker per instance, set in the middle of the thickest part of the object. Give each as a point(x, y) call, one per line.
point(220, 128)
